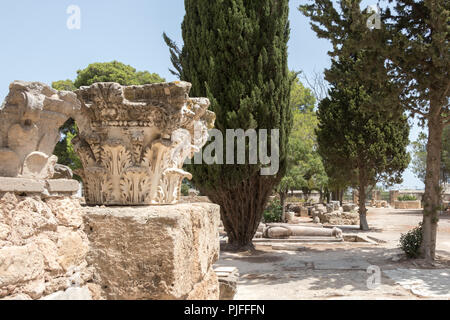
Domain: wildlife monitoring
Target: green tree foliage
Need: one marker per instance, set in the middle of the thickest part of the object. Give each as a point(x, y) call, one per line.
point(235, 53)
point(114, 72)
point(96, 72)
point(419, 156)
point(273, 212)
point(305, 170)
point(411, 242)
point(407, 56)
point(360, 76)
point(369, 147)
point(64, 85)
point(414, 42)
point(302, 99)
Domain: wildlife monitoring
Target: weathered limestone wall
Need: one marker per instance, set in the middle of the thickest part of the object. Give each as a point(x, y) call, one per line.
point(407, 204)
point(42, 244)
point(393, 196)
point(163, 252)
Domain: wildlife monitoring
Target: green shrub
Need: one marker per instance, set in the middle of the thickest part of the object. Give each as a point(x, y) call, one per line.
point(273, 212)
point(410, 242)
point(185, 189)
point(407, 197)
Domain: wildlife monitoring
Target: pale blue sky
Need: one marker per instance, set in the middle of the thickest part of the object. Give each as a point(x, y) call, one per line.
point(36, 44)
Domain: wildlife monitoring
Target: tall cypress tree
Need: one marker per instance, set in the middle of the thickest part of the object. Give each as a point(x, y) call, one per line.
point(235, 53)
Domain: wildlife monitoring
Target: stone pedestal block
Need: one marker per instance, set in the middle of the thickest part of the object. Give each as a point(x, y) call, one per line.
point(228, 279)
point(155, 253)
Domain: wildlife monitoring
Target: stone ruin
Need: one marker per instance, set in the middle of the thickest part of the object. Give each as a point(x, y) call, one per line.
point(134, 140)
point(329, 214)
point(30, 119)
point(132, 143)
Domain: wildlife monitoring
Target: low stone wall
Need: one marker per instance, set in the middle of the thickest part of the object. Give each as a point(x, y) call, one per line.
point(408, 204)
point(42, 244)
point(339, 218)
point(152, 253)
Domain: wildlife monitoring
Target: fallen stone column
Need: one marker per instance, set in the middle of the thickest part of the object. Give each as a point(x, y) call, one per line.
point(153, 253)
point(276, 231)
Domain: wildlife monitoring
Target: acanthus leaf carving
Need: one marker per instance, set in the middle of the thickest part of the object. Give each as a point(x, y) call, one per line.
point(139, 136)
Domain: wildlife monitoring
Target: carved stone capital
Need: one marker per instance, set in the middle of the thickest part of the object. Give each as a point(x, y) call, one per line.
point(133, 141)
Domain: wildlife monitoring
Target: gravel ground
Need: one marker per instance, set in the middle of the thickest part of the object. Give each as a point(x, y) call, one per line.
point(340, 270)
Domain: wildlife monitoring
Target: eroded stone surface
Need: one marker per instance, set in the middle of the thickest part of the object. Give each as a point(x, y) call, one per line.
point(71, 294)
point(30, 120)
point(164, 252)
point(228, 280)
point(21, 185)
point(42, 246)
point(133, 141)
point(52, 187)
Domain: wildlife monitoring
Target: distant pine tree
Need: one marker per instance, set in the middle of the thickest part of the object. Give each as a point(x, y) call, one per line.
point(368, 146)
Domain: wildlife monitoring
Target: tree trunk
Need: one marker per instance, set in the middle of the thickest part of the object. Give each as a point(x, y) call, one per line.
point(335, 195)
point(283, 205)
point(242, 208)
point(341, 197)
point(362, 203)
point(432, 194)
point(328, 196)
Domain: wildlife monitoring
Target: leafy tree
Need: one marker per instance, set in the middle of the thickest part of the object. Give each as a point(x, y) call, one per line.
point(419, 156)
point(96, 72)
point(416, 45)
point(114, 72)
point(310, 172)
point(302, 99)
point(412, 42)
point(369, 147)
point(235, 53)
point(305, 170)
point(419, 152)
point(64, 85)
